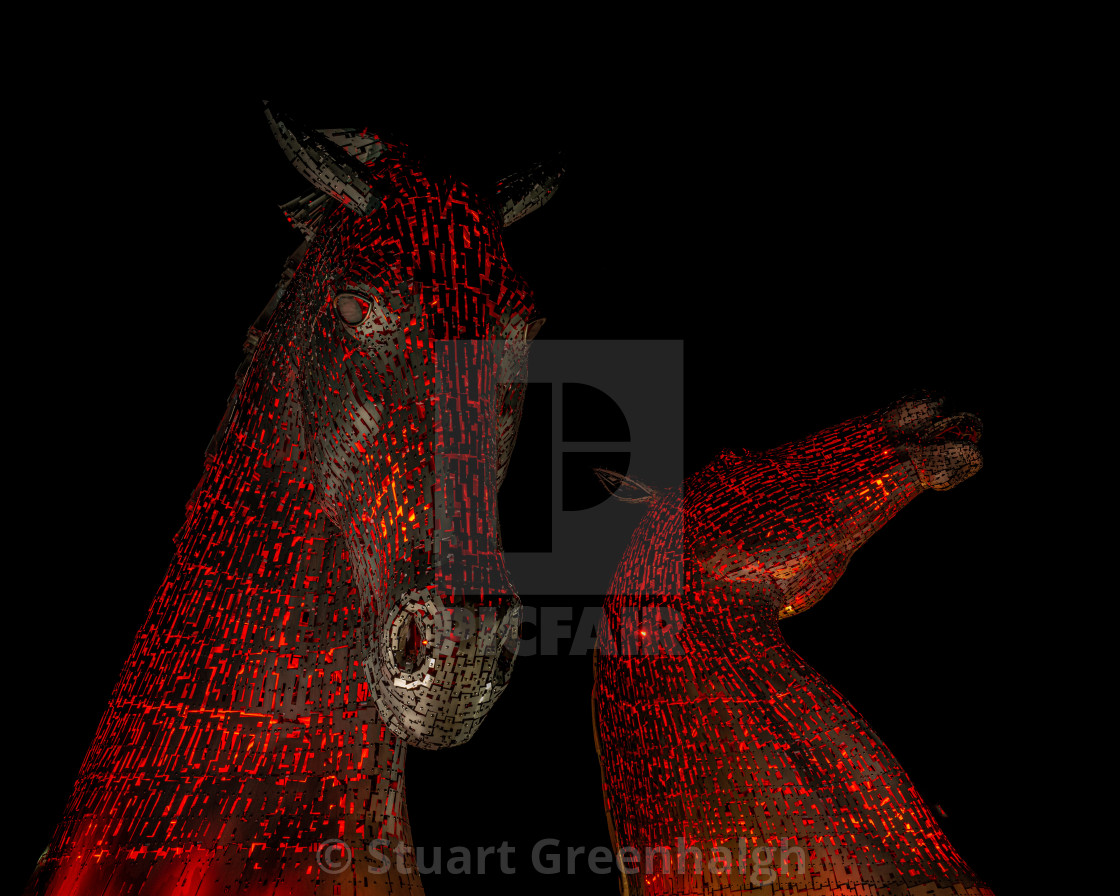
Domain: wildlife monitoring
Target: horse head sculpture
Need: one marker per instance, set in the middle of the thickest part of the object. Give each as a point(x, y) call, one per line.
point(407, 331)
point(720, 747)
point(338, 589)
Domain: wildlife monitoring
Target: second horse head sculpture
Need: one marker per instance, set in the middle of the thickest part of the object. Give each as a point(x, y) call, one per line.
point(721, 749)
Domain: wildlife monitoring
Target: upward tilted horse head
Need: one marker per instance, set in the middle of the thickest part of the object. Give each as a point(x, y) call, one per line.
point(338, 589)
point(756, 753)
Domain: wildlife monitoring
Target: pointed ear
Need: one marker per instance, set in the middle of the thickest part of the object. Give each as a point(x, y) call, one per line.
point(533, 329)
point(523, 193)
point(625, 488)
point(343, 163)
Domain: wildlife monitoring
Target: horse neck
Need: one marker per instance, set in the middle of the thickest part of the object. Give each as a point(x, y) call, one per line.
point(248, 659)
point(651, 569)
point(660, 581)
point(256, 496)
point(260, 584)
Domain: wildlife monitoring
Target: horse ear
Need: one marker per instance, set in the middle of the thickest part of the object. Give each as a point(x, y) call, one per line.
point(626, 488)
point(523, 193)
point(533, 328)
point(341, 163)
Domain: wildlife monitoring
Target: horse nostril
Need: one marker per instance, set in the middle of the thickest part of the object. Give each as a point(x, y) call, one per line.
point(351, 308)
point(411, 645)
point(407, 646)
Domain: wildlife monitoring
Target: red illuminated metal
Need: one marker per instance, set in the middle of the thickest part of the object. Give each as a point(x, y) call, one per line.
point(302, 635)
point(717, 736)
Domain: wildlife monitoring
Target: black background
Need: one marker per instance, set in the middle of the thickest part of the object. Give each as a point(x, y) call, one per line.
point(820, 256)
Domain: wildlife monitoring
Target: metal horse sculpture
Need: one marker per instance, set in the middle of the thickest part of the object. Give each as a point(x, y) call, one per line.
point(729, 764)
point(338, 589)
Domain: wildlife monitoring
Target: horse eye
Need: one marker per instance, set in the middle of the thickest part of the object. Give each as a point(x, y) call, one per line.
point(351, 308)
